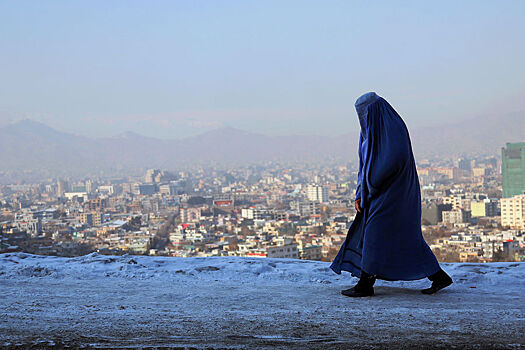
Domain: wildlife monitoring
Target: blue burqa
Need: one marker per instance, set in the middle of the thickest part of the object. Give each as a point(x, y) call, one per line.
point(385, 239)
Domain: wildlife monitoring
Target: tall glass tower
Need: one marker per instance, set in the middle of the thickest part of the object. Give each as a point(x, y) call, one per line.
point(513, 169)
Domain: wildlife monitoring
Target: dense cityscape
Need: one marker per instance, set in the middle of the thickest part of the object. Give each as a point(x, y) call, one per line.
point(262, 175)
point(473, 209)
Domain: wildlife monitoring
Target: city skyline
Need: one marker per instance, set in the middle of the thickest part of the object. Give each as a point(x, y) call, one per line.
point(194, 174)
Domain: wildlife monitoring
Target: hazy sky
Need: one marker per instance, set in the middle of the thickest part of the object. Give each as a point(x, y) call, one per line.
point(176, 68)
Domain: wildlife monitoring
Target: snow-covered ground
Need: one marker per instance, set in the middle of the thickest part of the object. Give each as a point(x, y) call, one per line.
point(138, 301)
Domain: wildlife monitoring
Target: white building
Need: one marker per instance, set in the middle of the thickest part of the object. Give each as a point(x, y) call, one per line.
point(27, 223)
point(513, 212)
point(317, 193)
point(306, 208)
point(455, 216)
point(457, 202)
point(72, 195)
point(190, 214)
point(106, 189)
point(254, 213)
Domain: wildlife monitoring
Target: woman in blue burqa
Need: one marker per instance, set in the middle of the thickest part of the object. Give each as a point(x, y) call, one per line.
point(385, 239)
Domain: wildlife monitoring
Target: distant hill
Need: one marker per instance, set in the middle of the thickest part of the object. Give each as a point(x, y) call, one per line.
point(32, 145)
point(472, 136)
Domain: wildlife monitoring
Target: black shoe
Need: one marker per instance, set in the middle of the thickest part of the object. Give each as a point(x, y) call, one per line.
point(357, 291)
point(363, 288)
point(439, 280)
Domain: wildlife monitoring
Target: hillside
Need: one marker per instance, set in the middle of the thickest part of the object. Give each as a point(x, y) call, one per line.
point(137, 301)
point(32, 145)
point(472, 136)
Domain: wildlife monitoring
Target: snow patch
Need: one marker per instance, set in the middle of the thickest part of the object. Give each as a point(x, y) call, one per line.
point(170, 269)
point(146, 301)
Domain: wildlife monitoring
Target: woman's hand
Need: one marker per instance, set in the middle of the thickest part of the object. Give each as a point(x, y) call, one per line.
point(358, 204)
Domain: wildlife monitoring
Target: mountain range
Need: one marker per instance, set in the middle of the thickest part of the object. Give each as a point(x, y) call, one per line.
point(28, 144)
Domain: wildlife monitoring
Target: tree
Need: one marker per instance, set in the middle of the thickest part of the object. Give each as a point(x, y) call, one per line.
point(196, 200)
point(499, 255)
point(133, 224)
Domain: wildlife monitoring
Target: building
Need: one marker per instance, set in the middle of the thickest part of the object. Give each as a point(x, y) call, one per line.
point(513, 169)
point(432, 214)
point(89, 186)
point(190, 214)
point(469, 256)
point(288, 251)
point(453, 173)
point(152, 175)
point(306, 208)
point(62, 187)
point(465, 164)
point(92, 218)
point(157, 176)
point(97, 204)
point(143, 189)
point(480, 171)
point(255, 213)
point(457, 202)
point(311, 252)
point(73, 195)
point(513, 212)
point(27, 223)
point(47, 214)
point(78, 188)
point(106, 189)
point(248, 213)
point(486, 207)
point(86, 218)
point(455, 216)
point(316, 193)
point(514, 250)
point(168, 189)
